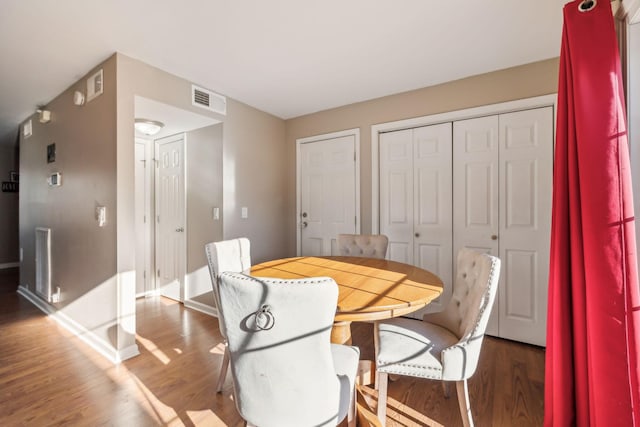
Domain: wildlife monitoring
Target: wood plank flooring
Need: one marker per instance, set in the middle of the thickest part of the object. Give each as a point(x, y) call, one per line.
point(49, 378)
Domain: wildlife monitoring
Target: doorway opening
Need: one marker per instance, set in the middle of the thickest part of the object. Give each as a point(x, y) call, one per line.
point(178, 190)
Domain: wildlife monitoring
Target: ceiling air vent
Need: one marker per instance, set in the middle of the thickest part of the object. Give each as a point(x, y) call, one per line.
point(206, 99)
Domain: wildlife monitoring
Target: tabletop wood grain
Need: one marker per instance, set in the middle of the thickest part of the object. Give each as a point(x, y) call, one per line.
point(369, 289)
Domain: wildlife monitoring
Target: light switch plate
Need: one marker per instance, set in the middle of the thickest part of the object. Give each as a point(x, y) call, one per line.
point(244, 213)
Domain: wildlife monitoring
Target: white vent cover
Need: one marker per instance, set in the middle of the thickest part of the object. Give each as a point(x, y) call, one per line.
point(27, 129)
point(206, 99)
point(43, 263)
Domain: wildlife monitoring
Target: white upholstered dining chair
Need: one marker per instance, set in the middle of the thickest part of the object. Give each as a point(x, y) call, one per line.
point(285, 370)
point(363, 245)
point(446, 345)
point(227, 255)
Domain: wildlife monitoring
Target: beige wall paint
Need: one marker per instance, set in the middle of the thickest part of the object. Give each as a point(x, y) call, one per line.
point(9, 253)
point(204, 192)
point(255, 173)
point(83, 254)
point(254, 161)
point(539, 78)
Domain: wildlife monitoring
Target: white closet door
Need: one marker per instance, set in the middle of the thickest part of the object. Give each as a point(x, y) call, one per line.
point(526, 161)
point(396, 194)
point(475, 184)
point(433, 223)
point(475, 191)
point(416, 201)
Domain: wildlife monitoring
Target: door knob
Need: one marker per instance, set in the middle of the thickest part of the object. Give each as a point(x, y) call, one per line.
point(180, 229)
point(417, 234)
point(304, 214)
point(304, 224)
point(494, 237)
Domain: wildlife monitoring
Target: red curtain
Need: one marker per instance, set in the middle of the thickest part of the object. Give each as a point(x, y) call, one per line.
point(592, 372)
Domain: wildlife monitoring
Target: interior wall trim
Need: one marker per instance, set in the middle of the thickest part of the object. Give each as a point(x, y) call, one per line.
point(202, 308)
point(9, 265)
point(79, 331)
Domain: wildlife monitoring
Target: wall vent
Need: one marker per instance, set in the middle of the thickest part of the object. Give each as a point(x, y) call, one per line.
point(43, 263)
point(206, 99)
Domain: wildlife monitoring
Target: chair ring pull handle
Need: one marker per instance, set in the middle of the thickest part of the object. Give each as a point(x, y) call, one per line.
point(264, 318)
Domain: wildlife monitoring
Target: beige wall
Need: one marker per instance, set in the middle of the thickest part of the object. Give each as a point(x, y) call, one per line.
point(525, 81)
point(83, 254)
point(254, 161)
point(204, 193)
point(9, 253)
point(95, 266)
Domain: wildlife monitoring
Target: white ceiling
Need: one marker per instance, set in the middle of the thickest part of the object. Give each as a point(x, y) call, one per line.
point(286, 57)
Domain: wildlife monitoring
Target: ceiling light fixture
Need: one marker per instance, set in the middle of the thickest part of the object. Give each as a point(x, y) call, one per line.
point(148, 127)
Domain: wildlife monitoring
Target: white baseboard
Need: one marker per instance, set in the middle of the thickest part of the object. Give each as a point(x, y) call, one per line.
point(203, 308)
point(9, 265)
point(80, 331)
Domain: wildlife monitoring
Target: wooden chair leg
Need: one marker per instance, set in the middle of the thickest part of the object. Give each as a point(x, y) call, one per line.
point(382, 379)
point(351, 416)
point(223, 369)
point(446, 390)
point(375, 349)
point(463, 401)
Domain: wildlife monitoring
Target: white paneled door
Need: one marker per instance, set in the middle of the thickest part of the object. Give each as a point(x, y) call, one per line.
point(170, 216)
point(327, 193)
point(416, 201)
point(502, 197)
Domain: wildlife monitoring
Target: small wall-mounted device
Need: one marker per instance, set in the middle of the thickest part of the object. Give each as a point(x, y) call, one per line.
point(27, 129)
point(44, 115)
point(78, 98)
point(55, 179)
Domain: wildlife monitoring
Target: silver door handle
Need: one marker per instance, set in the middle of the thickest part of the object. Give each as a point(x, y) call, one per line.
point(304, 224)
point(180, 229)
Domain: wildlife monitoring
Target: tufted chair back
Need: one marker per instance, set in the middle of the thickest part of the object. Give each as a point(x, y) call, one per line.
point(467, 313)
point(282, 361)
point(363, 245)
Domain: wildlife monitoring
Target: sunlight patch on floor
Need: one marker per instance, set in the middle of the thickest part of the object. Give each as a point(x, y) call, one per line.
point(153, 349)
point(218, 349)
point(404, 415)
point(205, 417)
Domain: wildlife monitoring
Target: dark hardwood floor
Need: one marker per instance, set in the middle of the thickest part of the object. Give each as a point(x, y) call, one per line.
point(48, 377)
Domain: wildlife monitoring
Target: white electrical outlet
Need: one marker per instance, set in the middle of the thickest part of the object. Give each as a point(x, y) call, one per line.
point(55, 298)
point(244, 213)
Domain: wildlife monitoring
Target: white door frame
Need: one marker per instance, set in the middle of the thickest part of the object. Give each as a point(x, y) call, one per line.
point(149, 226)
point(317, 138)
point(451, 116)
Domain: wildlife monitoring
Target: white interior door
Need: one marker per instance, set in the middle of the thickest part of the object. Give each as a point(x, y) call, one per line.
point(526, 162)
point(170, 216)
point(327, 183)
point(416, 201)
point(433, 222)
point(502, 198)
point(142, 222)
point(396, 194)
point(475, 191)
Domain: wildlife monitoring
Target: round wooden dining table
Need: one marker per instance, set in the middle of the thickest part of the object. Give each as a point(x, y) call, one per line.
point(369, 288)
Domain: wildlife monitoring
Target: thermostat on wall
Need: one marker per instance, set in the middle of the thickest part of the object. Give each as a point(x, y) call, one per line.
point(55, 180)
